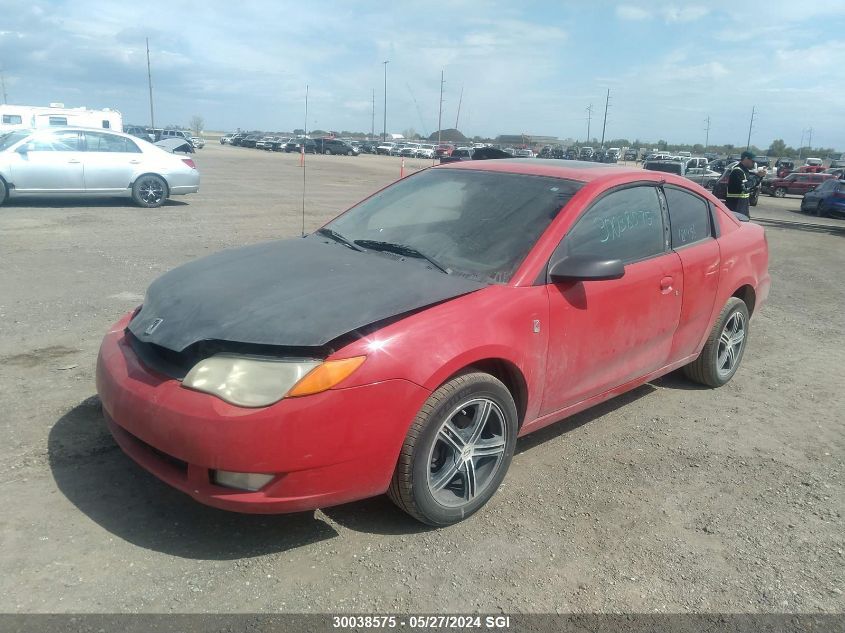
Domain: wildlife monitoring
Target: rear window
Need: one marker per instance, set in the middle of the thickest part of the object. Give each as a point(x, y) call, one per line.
point(670, 168)
point(689, 217)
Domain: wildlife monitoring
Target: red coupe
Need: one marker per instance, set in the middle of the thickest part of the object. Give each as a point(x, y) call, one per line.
point(404, 346)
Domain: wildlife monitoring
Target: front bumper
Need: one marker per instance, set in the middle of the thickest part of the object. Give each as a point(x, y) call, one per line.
point(323, 450)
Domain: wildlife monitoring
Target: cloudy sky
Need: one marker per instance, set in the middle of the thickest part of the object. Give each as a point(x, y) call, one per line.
point(523, 66)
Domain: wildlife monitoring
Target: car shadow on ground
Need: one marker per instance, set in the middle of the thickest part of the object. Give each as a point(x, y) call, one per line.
point(79, 203)
point(566, 425)
point(108, 487)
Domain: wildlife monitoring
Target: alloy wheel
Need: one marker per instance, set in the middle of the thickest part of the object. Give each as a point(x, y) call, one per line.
point(151, 191)
point(467, 453)
point(731, 342)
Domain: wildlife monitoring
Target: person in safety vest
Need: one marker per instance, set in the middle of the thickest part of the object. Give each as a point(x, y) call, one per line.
point(741, 183)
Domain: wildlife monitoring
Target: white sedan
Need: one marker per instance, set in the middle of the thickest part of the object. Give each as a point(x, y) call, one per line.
point(91, 163)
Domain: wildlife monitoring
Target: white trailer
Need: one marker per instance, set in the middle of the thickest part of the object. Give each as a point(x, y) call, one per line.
point(15, 117)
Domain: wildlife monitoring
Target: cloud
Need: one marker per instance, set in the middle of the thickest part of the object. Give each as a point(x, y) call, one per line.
point(673, 13)
point(631, 12)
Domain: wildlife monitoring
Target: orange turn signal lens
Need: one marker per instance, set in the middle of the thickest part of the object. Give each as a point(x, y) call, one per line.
point(326, 376)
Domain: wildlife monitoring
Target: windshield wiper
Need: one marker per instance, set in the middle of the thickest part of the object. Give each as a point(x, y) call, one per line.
point(402, 249)
point(337, 237)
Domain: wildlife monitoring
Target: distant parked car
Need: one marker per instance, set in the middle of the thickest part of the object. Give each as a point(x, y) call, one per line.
point(139, 132)
point(226, 139)
point(410, 150)
point(397, 148)
point(335, 146)
point(251, 140)
point(384, 148)
point(571, 153)
point(444, 149)
point(795, 184)
point(630, 154)
point(523, 153)
point(586, 153)
point(295, 145)
point(198, 142)
point(828, 199)
point(425, 151)
point(237, 139)
point(87, 163)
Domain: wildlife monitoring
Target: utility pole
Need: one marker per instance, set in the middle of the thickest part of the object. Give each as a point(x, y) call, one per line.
point(384, 129)
point(750, 126)
point(604, 125)
point(302, 158)
point(3, 86)
point(707, 133)
point(810, 141)
point(589, 118)
point(459, 107)
point(440, 115)
point(373, 122)
point(150, 84)
point(801, 146)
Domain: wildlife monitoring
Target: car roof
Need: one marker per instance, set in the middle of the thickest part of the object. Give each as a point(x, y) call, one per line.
point(582, 171)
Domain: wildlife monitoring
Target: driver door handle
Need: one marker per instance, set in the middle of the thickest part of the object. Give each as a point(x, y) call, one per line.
point(134, 162)
point(74, 161)
point(666, 285)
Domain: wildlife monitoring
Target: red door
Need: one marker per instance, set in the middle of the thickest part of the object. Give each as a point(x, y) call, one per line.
point(693, 239)
point(603, 334)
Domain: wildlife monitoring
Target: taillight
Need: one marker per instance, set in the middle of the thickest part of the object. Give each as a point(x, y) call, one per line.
point(189, 162)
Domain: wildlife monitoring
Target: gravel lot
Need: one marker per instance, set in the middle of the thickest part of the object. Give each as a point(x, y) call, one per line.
point(670, 498)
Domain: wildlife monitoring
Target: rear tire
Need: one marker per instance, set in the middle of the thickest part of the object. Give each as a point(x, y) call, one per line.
point(149, 191)
point(457, 450)
point(780, 192)
point(722, 353)
point(4, 192)
point(821, 212)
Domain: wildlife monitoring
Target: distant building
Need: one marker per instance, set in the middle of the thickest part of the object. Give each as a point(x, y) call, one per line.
point(526, 139)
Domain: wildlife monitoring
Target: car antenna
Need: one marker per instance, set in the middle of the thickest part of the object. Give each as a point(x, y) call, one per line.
point(302, 149)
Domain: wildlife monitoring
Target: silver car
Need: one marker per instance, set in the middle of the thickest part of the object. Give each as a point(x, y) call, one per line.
point(91, 163)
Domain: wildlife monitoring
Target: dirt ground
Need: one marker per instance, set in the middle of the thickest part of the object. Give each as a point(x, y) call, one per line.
point(671, 498)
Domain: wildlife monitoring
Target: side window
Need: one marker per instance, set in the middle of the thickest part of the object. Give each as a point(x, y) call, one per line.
point(58, 120)
point(106, 124)
point(625, 224)
point(689, 217)
point(57, 142)
point(12, 119)
point(99, 142)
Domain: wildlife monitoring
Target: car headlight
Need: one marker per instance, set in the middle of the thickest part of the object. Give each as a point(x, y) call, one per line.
point(259, 382)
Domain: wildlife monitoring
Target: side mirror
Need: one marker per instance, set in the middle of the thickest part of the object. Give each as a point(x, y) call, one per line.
point(25, 148)
point(585, 269)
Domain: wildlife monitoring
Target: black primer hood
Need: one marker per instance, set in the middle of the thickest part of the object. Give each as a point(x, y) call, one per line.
point(297, 293)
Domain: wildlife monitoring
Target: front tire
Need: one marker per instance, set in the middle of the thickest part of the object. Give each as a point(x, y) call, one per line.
point(821, 211)
point(4, 192)
point(149, 191)
point(457, 451)
point(723, 351)
point(780, 192)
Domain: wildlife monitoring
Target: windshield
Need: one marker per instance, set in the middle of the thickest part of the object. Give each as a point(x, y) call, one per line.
point(477, 224)
point(10, 138)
